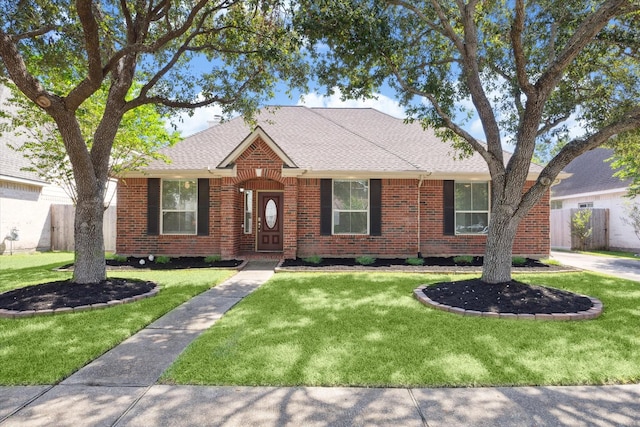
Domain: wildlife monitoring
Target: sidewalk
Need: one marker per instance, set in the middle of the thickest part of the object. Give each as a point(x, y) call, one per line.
point(119, 389)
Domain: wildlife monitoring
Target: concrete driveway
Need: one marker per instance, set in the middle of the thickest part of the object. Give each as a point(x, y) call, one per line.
point(620, 267)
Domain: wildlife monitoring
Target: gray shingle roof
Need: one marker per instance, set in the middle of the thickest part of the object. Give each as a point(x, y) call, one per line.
point(327, 139)
point(11, 161)
point(591, 173)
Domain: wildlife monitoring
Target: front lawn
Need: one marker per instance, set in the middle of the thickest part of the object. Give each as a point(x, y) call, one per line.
point(368, 330)
point(47, 349)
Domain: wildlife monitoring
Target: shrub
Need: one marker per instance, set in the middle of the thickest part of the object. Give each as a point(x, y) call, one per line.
point(518, 260)
point(581, 227)
point(119, 258)
point(415, 261)
point(365, 260)
point(463, 259)
point(313, 259)
point(161, 259)
point(213, 258)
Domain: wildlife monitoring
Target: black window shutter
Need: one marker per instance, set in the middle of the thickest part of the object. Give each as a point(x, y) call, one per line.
point(449, 208)
point(203, 207)
point(326, 207)
point(153, 206)
point(375, 208)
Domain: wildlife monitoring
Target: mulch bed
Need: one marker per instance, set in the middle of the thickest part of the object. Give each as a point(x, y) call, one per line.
point(173, 264)
point(510, 297)
point(64, 293)
point(399, 262)
point(514, 297)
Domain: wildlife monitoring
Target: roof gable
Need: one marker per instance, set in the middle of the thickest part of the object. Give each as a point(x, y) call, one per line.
point(258, 133)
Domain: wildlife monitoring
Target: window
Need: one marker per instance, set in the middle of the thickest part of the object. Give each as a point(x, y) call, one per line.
point(350, 203)
point(179, 206)
point(472, 207)
point(248, 211)
point(556, 204)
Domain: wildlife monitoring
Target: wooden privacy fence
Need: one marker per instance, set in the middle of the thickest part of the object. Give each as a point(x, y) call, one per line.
point(561, 225)
point(62, 217)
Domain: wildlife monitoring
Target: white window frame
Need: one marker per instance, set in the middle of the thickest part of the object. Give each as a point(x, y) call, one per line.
point(473, 211)
point(248, 212)
point(555, 204)
point(334, 210)
point(163, 210)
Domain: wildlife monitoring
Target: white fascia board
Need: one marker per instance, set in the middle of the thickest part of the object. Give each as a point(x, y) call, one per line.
point(590, 194)
point(350, 174)
point(23, 181)
point(186, 173)
point(355, 174)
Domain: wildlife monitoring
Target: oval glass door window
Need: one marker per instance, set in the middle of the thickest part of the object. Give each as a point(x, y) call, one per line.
point(271, 213)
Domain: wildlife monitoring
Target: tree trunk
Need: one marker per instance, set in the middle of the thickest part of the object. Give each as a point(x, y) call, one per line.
point(498, 252)
point(90, 264)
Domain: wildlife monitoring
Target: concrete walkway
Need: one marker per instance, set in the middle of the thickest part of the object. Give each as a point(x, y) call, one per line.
point(119, 389)
point(620, 267)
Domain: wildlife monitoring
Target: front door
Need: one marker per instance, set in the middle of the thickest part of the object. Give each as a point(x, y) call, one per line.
point(270, 222)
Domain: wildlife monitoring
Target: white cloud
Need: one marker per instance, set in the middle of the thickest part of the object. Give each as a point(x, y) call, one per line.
point(188, 125)
point(381, 103)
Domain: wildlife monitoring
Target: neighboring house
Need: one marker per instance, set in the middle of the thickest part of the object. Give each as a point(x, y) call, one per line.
point(592, 185)
point(26, 201)
point(315, 181)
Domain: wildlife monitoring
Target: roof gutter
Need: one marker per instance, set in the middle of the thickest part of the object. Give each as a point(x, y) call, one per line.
point(231, 172)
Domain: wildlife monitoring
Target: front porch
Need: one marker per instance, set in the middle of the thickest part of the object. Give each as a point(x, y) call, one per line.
point(261, 222)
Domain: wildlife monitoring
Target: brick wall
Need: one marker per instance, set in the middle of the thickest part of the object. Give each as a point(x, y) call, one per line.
point(402, 235)
point(399, 224)
point(532, 238)
point(132, 238)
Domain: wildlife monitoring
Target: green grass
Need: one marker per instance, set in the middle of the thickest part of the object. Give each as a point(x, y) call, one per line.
point(46, 349)
point(614, 254)
point(368, 330)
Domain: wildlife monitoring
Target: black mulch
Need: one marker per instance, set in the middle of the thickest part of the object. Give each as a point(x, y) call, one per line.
point(391, 262)
point(511, 297)
point(64, 293)
point(173, 264)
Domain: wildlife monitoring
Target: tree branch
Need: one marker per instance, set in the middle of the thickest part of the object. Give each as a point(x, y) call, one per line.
point(143, 99)
point(548, 125)
point(630, 121)
point(94, 60)
point(447, 32)
point(17, 69)
point(583, 35)
point(32, 34)
point(518, 50)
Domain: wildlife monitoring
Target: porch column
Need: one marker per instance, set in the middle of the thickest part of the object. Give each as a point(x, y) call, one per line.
point(229, 225)
point(290, 244)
